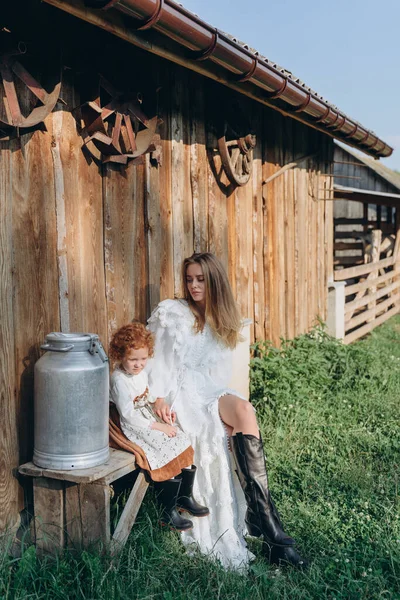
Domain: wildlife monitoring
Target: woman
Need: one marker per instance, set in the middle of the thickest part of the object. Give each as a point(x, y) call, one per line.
point(194, 339)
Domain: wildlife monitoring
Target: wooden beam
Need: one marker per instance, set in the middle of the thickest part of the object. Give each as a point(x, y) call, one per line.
point(354, 335)
point(129, 514)
point(363, 269)
point(290, 165)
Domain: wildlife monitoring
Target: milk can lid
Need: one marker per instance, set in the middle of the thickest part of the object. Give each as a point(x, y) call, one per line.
point(70, 338)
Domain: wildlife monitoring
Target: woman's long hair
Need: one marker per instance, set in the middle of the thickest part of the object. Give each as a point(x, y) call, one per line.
point(221, 311)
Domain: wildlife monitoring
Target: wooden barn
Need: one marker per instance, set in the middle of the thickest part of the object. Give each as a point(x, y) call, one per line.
point(132, 134)
point(366, 244)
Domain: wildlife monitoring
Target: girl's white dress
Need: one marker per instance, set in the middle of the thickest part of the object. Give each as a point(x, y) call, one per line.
point(192, 371)
point(137, 417)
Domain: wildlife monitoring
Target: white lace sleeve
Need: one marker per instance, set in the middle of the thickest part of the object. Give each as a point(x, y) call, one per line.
point(122, 394)
point(162, 369)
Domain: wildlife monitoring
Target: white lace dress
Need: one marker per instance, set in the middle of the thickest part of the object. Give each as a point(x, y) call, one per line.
point(191, 371)
point(128, 392)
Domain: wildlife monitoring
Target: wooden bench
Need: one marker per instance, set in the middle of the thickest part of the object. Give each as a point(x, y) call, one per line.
point(72, 508)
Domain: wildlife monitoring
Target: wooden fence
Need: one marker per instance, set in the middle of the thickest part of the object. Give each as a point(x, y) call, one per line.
point(352, 240)
point(372, 290)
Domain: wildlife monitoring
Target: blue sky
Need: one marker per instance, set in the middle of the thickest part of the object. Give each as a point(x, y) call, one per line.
point(347, 50)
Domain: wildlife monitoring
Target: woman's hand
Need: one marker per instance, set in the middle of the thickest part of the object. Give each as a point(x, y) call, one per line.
point(163, 411)
point(169, 430)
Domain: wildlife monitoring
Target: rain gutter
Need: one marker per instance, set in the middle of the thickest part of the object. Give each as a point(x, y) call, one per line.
point(240, 66)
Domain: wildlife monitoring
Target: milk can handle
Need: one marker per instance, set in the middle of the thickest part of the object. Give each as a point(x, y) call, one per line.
point(97, 348)
point(51, 348)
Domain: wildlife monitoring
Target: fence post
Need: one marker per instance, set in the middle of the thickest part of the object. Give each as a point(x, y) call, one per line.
point(375, 255)
point(396, 255)
point(336, 302)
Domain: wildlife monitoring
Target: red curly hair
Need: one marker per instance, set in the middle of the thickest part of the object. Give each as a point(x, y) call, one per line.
point(132, 336)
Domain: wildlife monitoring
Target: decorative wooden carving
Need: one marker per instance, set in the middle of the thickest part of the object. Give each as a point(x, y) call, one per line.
point(17, 82)
point(118, 129)
point(237, 157)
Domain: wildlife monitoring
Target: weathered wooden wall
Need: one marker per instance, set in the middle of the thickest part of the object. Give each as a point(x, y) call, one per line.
point(88, 248)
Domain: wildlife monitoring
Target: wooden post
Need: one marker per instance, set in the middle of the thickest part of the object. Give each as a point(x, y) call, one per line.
point(129, 514)
point(396, 256)
point(336, 301)
point(48, 497)
point(375, 254)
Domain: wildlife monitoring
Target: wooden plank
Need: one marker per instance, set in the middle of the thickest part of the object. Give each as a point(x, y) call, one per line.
point(289, 235)
point(35, 276)
point(302, 200)
point(348, 246)
point(9, 489)
point(348, 260)
point(125, 251)
point(153, 229)
point(348, 235)
point(329, 229)
point(48, 497)
point(182, 208)
point(83, 224)
point(350, 307)
point(279, 292)
point(129, 514)
point(258, 234)
point(119, 460)
point(364, 285)
point(272, 298)
point(369, 315)
point(198, 164)
point(312, 245)
point(221, 206)
point(345, 221)
point(396, 252)
point(355, 335)
point(166, 203)
point(95, 514)
point(73, 516)
point(267, 168)
point(244, 242)
point(375, 254)
point(363, 269)
point(159, 203)
point(62, 250)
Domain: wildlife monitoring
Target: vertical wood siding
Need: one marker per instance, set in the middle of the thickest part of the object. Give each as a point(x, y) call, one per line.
point(87, 247)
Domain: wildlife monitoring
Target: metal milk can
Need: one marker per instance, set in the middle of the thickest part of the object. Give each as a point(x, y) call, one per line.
point(71, 402)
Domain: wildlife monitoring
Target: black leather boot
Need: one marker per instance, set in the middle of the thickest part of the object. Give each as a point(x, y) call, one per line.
point(185, 499)
point(262, 518)
point(167, 494)
point(284, 555)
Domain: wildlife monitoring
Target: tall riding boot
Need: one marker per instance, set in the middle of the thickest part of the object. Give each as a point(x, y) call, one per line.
point(167, 494)
point(185, 499)
point(262, 517)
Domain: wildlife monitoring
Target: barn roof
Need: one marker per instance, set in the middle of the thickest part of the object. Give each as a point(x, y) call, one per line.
point(168, 29)
point(387, 174)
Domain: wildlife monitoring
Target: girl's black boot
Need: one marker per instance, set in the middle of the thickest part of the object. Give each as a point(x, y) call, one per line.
point(185, 499)
point(167, 494)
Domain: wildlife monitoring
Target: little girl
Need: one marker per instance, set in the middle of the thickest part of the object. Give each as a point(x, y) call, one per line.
point(167, 450)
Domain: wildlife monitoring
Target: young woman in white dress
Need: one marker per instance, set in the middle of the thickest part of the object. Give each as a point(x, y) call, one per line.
point(194, 339)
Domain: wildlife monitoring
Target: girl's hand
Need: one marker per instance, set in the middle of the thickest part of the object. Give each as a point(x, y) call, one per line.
point(163, 411)
point(169, 430)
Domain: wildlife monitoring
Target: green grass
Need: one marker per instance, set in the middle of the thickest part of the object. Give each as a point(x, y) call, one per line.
point(330, 420)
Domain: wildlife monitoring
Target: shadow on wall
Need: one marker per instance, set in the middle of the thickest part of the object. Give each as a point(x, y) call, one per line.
point(26, 403)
